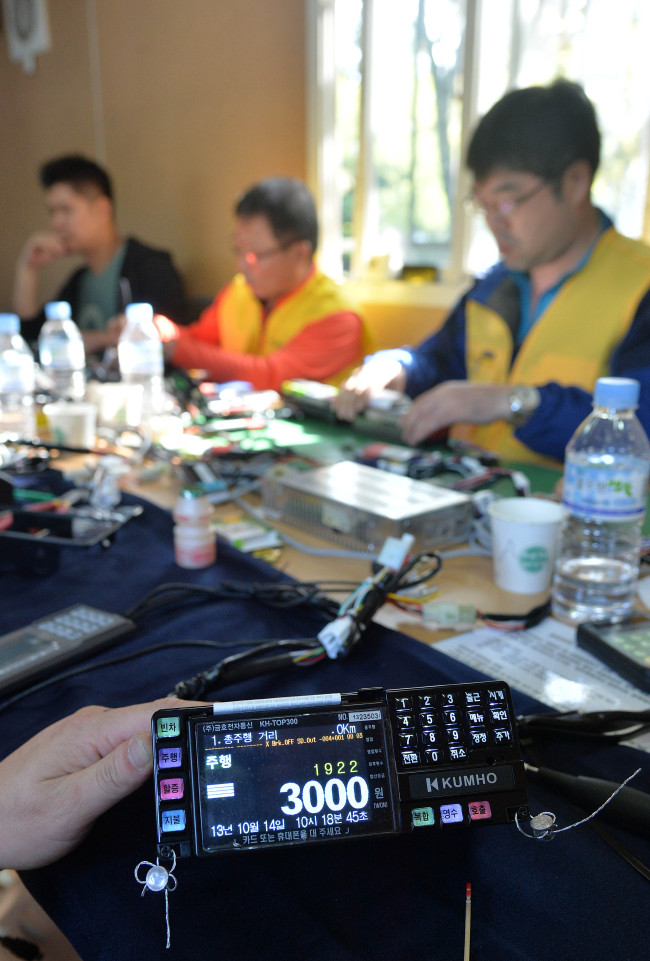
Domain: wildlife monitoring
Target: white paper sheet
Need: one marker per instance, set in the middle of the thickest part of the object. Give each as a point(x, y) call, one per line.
point(546, 663)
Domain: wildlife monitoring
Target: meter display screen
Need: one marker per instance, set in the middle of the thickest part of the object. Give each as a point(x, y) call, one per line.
point(263, 781)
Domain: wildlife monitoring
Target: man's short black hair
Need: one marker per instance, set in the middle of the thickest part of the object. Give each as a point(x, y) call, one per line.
point(288, 206)
point(538, 130)
point(79, 172)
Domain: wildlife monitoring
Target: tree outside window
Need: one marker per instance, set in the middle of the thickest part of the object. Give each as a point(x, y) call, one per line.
point(408, 81)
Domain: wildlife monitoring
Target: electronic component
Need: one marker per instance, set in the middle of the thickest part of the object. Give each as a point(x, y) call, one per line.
point(623, 647)
point(78, 527)
point(200, 474)
point(248, 536)
point(381, 418)
point(311, 397)
point(31, 540)
point(258, 774)
point(53, 642)
point(360, 507)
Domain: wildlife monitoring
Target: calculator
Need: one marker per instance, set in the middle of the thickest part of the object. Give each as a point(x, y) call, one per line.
point(52, 642)
point(623, 647)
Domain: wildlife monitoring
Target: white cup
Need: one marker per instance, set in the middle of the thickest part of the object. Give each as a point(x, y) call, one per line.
point(72, 424)
point(524, 542)
point(118, 404)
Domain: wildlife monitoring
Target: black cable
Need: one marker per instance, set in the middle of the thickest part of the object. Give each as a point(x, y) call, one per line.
point(572, 789)
point(610, 726)
point(84, 668)
point(402, 575)
point(531, 619)
point(371, 595)
point(242, 666)
point(630, 808)
point(620, 849)
point(283, 594)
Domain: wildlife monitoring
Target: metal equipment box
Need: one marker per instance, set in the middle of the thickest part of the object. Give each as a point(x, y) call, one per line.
point(359, 507)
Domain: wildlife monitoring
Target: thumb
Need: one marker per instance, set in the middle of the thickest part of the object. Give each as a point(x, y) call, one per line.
point(116, 775)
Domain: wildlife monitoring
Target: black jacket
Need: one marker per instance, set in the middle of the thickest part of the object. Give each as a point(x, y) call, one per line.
point(148, 276)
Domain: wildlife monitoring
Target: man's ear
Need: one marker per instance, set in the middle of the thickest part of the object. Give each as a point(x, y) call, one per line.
point(104, 205)
point(305, 251)
point(576, 182)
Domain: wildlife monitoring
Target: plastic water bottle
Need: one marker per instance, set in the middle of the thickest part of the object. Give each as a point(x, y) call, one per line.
point(140, 357)
point(16, 380)
point(605, 493)
point(195, 543)
point(61, 351)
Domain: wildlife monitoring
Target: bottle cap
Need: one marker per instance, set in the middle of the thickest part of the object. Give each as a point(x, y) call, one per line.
point(191, 492)
point(234, 387)
point(192, 507)
point(58, 310)
point(9, 323)
point(617, 392)
point(139, 312)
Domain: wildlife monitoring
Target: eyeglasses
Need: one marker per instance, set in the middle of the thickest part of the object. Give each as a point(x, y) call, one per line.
point(253, 258)
point(505, 207)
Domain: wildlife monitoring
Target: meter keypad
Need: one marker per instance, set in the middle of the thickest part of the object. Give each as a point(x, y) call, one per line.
point(446, 726)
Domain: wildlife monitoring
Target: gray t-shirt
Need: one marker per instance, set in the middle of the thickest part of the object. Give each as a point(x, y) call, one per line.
point(99, 294)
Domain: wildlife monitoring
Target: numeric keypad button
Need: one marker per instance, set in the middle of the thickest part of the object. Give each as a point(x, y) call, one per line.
point(405, 722)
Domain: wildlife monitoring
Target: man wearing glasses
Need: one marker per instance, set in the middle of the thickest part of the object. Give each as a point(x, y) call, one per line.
point(280, 317)
point(514, 365)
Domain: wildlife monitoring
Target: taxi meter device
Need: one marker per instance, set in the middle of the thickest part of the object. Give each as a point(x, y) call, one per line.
point(265, 773)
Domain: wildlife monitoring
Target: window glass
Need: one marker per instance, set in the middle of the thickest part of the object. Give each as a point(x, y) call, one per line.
point(401, 143)
point(603, 46)
point(408, 88)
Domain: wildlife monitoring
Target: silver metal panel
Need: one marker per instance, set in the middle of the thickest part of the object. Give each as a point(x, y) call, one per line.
point(358, 506)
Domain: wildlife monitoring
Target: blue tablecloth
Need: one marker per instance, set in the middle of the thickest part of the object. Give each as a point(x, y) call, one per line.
point(386, 898)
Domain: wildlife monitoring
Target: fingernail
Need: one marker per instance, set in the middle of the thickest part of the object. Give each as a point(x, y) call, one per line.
point(139, 752)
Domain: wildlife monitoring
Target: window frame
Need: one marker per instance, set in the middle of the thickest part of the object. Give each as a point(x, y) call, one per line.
point(322, 159)
point(323, 156)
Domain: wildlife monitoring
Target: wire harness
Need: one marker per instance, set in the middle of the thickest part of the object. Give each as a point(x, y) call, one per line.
point(336, 639)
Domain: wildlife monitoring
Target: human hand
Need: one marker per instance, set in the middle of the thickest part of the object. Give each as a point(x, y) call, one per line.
point(363, 383)
point(97, 340)
point(168, 334)
point(42, 248)
point(54, 786)
point(114, 327)
point(454, 402)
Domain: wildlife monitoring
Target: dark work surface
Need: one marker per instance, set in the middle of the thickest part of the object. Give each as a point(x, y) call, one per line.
point(391, 898)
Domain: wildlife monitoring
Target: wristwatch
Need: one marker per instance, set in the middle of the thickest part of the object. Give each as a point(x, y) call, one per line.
point(523, 401)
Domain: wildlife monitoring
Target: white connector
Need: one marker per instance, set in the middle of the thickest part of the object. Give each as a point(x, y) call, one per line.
point(335, 636)
point(448, 614)
point(395, 551)
point(481, 500)
point(472, 464)
point(520, 483)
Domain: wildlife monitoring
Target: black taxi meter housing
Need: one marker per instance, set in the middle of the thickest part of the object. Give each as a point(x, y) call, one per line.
point(241, 776)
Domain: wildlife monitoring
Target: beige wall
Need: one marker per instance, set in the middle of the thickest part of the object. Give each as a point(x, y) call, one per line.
point(186, 101)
